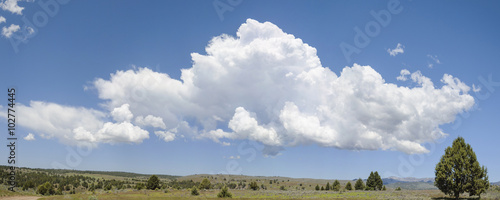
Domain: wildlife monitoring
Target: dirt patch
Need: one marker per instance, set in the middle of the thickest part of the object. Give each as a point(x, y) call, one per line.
point(20, 198)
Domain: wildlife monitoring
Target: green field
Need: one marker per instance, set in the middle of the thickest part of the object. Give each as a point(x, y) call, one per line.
point(268, 194)
point(269, 187)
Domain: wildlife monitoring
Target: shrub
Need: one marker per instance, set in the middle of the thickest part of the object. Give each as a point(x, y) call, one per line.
point(194, 191)
point(205, 184)
point(46, 189)
point(224, 193)
point(254, 186)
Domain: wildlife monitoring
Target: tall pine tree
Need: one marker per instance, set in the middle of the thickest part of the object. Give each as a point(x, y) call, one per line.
point(371, 182)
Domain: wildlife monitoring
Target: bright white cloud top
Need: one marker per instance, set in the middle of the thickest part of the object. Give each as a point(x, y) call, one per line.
point(263, 85)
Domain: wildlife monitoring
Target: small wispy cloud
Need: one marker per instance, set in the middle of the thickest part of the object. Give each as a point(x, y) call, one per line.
point(2, 19)
point(399, 49)
point(29, 137)
point(232, 157)
point(435, 59)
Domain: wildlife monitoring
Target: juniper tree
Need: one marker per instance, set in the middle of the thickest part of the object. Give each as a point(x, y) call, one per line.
point(458, 171)
point(348, 186)
point(378, 181)
point(371, 182)
point(153, 183)
point(336, 185)
point(359, 185)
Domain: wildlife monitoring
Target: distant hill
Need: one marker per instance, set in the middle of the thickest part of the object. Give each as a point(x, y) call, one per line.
point(413, 185)
point(495, 183)
point(88, 172)
point(394, 179)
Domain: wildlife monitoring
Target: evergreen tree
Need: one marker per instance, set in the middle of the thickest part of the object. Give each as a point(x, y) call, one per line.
point(348, 186)
point(458, 171)
point(322, 188)
point(153, 183)
point(371, 182)
point(327, 186)
point(359, 185)
point(336, 185)
point(383, 188)
point(317, 187)
point(378, 181)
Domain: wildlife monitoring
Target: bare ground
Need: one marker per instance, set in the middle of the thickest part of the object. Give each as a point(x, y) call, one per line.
point(20, 198)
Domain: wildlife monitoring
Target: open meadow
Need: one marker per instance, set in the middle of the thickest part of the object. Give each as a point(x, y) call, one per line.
point(125, 186)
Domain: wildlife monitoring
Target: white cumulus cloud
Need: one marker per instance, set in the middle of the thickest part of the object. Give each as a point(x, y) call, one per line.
point(399, 49)
point(29, 137)
point(267, 86)
point(165, 135)
point(11, 6)
point(2, 19)
point(122, 113)
point(73, 125)
point(150, 120)
point(8, 31)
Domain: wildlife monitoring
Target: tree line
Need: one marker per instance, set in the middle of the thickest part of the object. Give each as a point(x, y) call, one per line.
point(374, 182)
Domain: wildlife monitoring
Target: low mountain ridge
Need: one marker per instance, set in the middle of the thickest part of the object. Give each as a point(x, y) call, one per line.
point(394, 179)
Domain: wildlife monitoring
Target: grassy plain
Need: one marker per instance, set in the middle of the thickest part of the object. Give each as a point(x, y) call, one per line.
point(266, 194)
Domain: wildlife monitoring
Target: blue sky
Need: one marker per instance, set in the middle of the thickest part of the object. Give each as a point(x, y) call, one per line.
point(61, 67)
